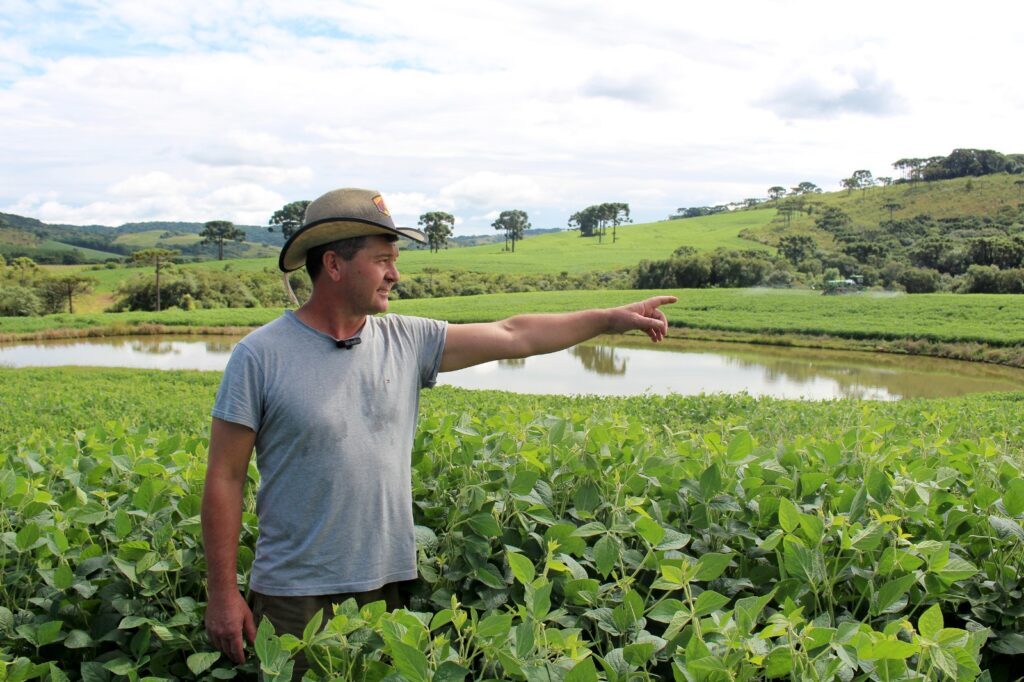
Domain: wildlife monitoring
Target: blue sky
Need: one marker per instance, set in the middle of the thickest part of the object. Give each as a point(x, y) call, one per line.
point(122, 111)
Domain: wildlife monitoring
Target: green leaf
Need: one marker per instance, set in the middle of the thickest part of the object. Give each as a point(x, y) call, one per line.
point(878, 486)
point(709, 601)
point(489, 575)
point(26, 537)
point(606, 554)
point(711, 565)
point(740, 446)
point(890, 649)
point(789, 515)
point(930, 622)
point(711, 482)
point(78, 639)
point(890, 593)
point(201, 662)
point(63, 577)
point(410, 661)
point(522, 567)
point(640, 653)
point(650, 530)
point(587, 498)
point(1013, 498)
point(48, 632)
point(484, 525)
point(858, 505)
point(450, 671)
point(584, 671)
point(523, 482)
point(665, 610)
point(1006, 527)
point(495, 626)
point(956, 569)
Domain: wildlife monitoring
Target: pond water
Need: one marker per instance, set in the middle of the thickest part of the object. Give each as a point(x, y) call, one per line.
point(612, 366)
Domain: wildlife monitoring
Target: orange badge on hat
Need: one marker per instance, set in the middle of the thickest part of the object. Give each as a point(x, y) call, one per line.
point(381, 206)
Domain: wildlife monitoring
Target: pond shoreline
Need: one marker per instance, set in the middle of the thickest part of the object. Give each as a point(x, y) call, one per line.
point(1010, 356)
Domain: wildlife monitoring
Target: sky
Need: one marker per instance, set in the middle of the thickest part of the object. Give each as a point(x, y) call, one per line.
point(124, 111)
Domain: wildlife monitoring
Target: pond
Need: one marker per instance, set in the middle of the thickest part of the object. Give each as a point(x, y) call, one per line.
point(611, 366)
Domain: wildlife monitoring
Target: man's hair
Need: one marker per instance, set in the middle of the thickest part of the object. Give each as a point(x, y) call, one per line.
point(345, 249)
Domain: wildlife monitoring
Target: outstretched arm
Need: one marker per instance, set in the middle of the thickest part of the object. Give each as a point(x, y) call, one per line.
point(525, 335)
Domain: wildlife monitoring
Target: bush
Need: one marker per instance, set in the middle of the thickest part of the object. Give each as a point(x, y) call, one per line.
point(988, 279)
point(18, 301)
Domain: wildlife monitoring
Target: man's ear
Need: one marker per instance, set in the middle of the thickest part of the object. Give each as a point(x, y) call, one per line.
point(332, 265)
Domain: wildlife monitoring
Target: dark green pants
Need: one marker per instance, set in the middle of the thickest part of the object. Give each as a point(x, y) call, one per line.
point(290, 614)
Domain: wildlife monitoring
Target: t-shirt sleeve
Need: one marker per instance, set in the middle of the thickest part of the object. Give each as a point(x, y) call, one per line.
point(240, 396)
point(430, 336)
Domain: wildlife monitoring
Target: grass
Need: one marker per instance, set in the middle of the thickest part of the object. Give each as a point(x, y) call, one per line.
point(980, 196)
point(996, 320)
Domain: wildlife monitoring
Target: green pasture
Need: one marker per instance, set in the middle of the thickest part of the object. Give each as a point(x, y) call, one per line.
point(658, 537)
point(997, 320)
point(979, 196)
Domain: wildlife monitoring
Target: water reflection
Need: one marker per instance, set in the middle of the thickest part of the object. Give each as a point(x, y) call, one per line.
point(615, 366)
point(600, 359)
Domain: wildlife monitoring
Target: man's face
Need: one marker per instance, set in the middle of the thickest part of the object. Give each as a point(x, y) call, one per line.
point(369, 276)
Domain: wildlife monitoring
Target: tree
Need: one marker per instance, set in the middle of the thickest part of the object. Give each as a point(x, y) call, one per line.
point(806, 187)
point(796, 248)
point(62, 288)
point(289, 218)
point(439, 226)
point(616, 214)
point(862, 179)
point(514, 223)
point(892, 206)
point(219, 231)
point(776, 192)
point(849, 184)
point(24, 269)
point(585, 221)
point(156, 257)
point(884, 180)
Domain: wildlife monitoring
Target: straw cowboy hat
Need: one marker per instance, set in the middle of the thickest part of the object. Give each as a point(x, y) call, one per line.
point(341, 214)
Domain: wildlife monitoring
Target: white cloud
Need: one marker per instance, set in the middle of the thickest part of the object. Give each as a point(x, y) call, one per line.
point(224, 108)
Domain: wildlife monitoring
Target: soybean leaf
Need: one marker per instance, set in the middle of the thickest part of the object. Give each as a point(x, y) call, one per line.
point(584, 671)
point(889, 594)
point(606, 554)
point(891, 649)
point(450, 671)
point(789, 515)
point(201, 662)
point(484, 525)
point(523, 482)
point(930, 622)
point(665, 610)
point(522, 567)
point(740, 446)
point(1006, 527)
point(710, 482)
point(709, 601)
point(712, 565)
point(650, 530)
point(495, 626)
point(1013, 498)
point(410, 661)
point(878, 485)
point(956, 569)
point(639, 654)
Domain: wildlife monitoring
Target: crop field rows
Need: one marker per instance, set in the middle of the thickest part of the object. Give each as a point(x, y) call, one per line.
point(705, 538)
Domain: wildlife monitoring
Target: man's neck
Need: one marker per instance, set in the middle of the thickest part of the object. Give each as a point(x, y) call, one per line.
point(329, 319)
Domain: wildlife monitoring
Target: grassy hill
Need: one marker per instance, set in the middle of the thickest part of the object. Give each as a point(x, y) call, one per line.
point(986, 195)
point(175, 240)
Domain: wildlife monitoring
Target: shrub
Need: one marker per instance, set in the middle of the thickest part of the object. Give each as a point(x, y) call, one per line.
point(18, 301)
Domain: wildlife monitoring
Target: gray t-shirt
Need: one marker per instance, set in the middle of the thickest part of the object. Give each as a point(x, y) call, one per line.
point(334, 434)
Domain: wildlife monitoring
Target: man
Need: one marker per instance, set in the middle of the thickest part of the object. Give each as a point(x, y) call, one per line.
point(328, 397)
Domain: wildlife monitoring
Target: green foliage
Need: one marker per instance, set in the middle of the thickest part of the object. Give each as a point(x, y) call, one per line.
point(194, 289)
point(19, 301)
point(218, 232)
point(438, 226)
point(514, 224)
point(289, 218)
point(721, 268)
point(651, 537)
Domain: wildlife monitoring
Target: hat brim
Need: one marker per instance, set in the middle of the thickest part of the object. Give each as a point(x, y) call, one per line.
point(293, 253)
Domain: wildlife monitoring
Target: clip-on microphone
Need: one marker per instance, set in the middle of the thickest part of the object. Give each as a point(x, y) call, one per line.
point(347, 344)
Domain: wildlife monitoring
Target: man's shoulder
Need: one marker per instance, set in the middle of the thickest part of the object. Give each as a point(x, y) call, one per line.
point(269, 335)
